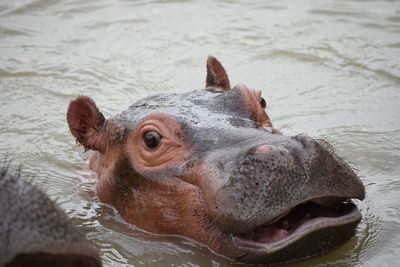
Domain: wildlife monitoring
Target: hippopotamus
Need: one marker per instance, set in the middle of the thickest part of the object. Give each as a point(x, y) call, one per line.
point(208, 165)
point(35, 232)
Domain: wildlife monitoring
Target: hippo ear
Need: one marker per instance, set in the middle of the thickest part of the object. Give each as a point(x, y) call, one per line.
point(216, 75)
point(87, 123)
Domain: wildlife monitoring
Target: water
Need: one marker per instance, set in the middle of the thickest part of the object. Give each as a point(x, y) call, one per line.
point(328, 68)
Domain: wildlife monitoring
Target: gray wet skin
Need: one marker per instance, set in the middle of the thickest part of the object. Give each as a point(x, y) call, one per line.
point(35, 232)
point(274, 198)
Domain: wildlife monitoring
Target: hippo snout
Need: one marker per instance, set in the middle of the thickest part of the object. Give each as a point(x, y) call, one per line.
point(272, 179)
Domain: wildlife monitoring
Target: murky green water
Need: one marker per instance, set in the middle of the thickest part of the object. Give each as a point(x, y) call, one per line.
point(328, 68)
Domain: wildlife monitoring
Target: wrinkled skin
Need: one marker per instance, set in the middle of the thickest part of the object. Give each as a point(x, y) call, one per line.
point(35, 232)
point(208, 165)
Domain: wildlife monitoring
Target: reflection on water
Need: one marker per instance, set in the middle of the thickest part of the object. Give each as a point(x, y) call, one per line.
point(331, 69)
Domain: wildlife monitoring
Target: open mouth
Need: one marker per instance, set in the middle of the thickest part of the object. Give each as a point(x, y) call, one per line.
point(292, 225)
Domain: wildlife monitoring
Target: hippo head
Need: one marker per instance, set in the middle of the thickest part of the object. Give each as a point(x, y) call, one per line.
point(208, 165)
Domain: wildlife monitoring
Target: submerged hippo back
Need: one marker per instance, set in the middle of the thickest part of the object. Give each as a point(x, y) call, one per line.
point(35, 232)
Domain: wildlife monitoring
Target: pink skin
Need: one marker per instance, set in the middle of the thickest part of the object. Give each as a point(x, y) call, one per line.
point(263, 148)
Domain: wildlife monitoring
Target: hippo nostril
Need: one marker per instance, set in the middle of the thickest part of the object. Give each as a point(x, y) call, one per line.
point(306, 140)
point(263, 148)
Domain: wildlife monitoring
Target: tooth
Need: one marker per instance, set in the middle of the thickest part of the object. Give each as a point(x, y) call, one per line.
point(285, 225)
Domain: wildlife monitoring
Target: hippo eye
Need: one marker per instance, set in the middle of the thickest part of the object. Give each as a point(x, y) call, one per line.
point(152, 139)
point(262, 102)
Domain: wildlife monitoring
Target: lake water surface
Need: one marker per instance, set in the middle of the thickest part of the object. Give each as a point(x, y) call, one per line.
point(328, 68)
